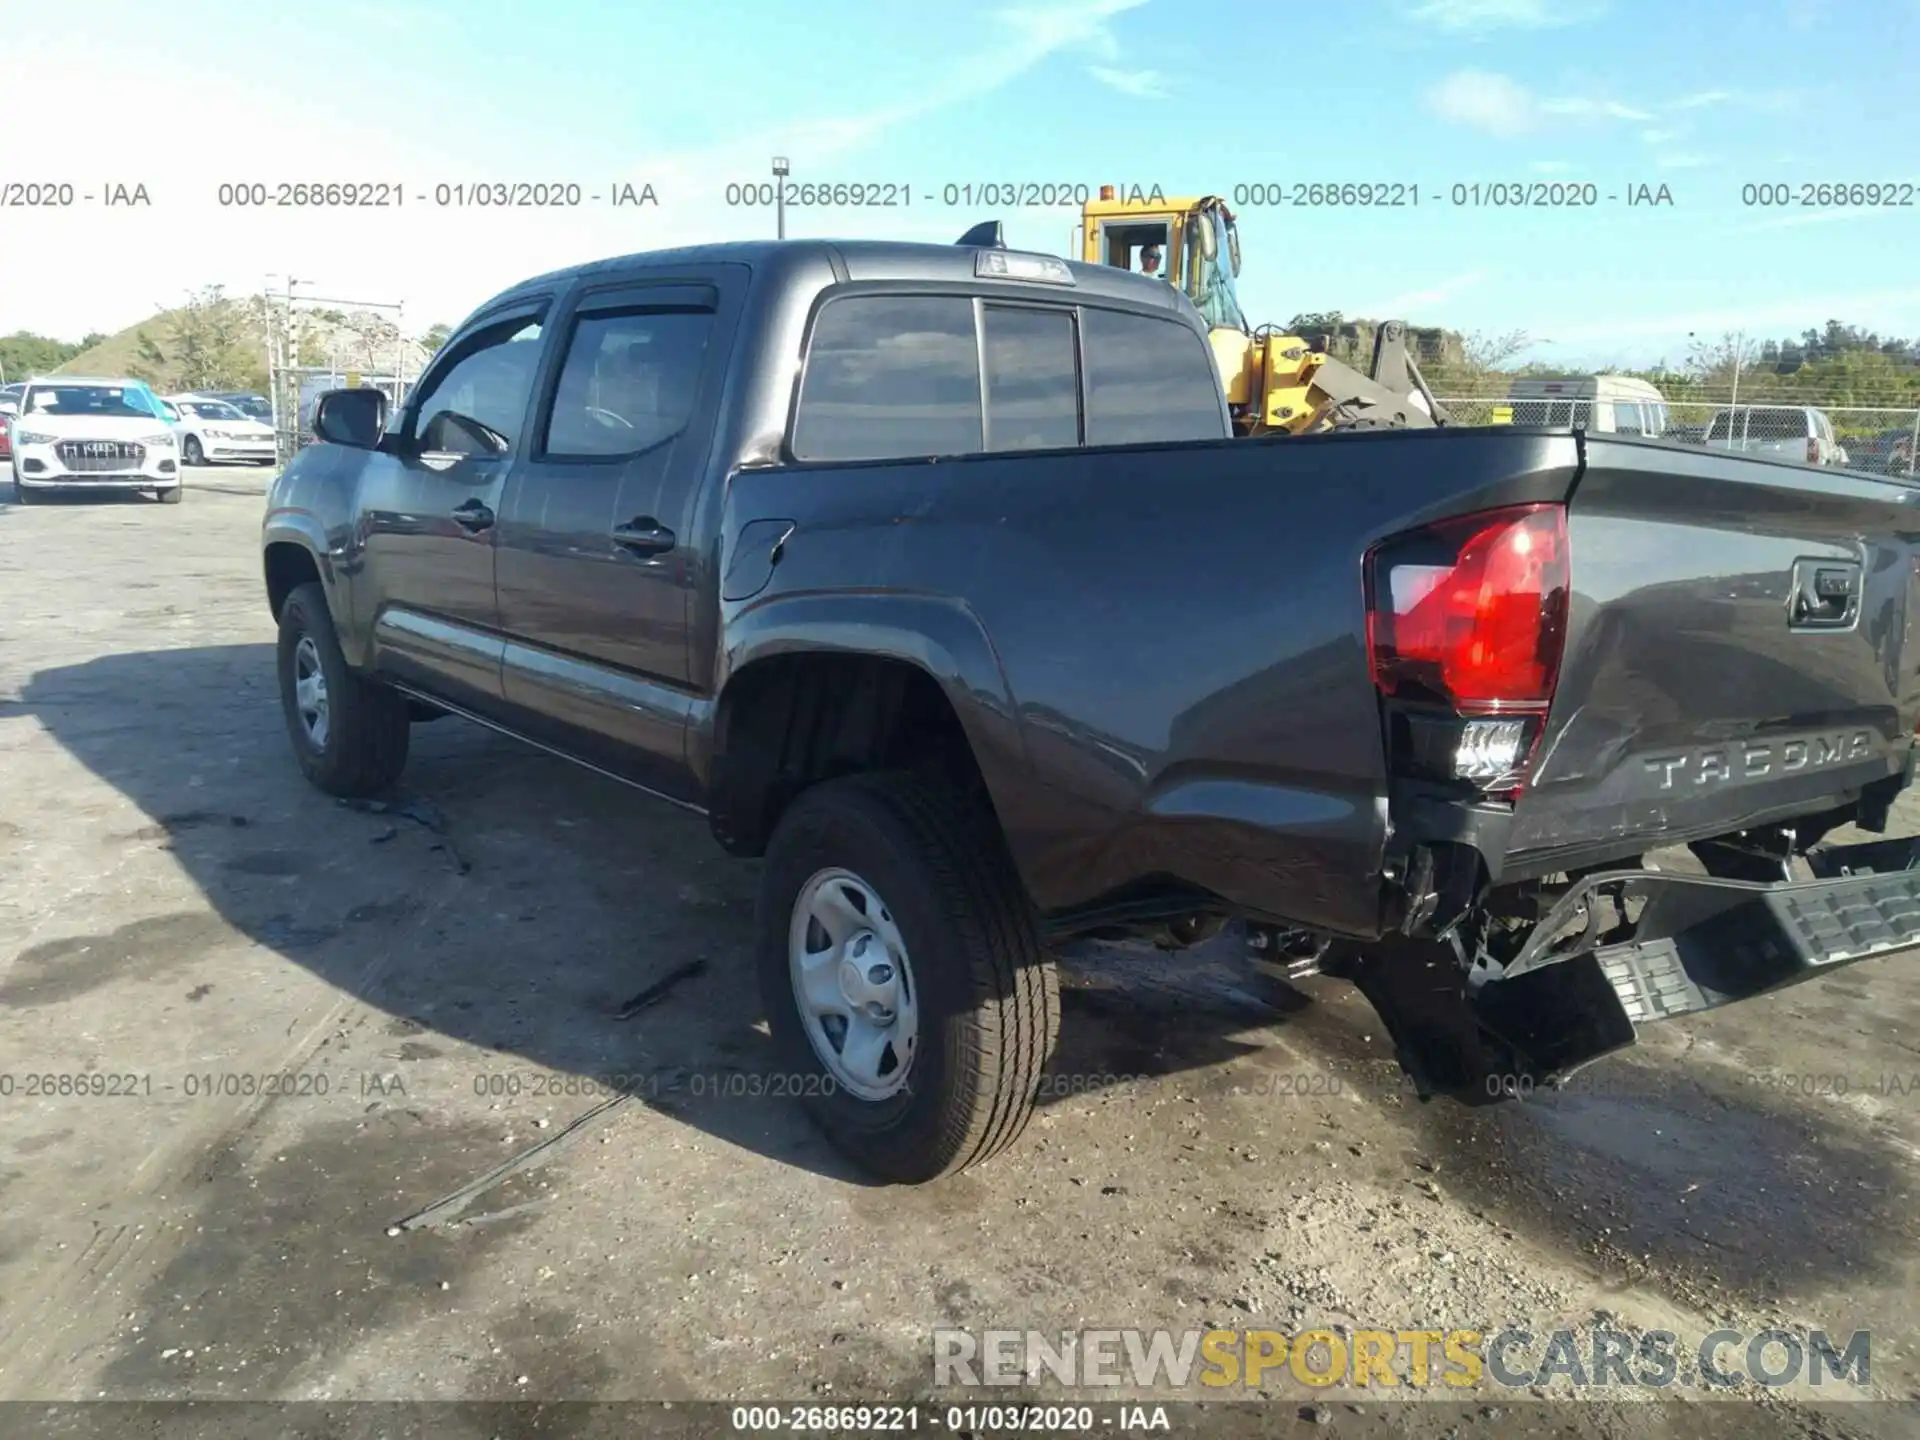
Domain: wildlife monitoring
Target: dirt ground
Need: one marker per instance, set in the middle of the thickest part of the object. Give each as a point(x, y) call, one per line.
point(440, 985)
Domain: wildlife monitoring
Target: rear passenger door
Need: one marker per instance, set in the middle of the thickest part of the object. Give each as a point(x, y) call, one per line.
point(595, 557)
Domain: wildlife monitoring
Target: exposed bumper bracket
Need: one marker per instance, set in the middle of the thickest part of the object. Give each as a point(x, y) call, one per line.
point(1694, 943)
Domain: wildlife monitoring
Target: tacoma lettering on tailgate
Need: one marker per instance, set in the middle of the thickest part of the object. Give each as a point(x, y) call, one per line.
point(1754, 760)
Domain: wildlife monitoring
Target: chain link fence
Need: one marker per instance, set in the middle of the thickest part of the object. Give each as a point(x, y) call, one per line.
point(1879, 440)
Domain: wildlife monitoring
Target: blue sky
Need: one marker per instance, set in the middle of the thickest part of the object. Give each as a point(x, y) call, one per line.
point(1700, 97)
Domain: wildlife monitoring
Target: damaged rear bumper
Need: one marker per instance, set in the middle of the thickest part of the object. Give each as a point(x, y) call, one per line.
point(1579, 990)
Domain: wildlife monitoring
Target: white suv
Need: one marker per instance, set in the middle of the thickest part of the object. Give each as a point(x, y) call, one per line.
point(79, 433)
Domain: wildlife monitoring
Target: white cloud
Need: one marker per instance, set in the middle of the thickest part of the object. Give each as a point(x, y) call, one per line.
point(1659, 137)
point(1483, 15)
point(1594, 109)
point(444, 261)
point(1551, 167)
point(1480, 100)
point(1701, 99)
point(1142, 84)
point(1500, 105)
point(1683, 162)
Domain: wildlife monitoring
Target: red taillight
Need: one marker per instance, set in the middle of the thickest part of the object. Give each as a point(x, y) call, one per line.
point(1471, 613)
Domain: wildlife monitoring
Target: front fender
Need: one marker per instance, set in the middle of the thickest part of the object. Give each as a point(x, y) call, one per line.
point(940, 635)
point(303, 529)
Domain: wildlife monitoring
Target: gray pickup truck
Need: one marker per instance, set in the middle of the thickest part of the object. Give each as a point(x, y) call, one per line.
point(935, 576)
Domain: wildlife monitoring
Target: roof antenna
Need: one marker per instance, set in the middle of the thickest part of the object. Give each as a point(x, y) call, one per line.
point(985, 235)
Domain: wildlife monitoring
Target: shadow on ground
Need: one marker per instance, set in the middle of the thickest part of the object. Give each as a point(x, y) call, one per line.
point(512, 902)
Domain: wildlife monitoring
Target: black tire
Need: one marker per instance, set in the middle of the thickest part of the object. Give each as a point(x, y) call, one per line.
point(191, 452)
point(365, 745)
point(987, 993)
point(173, 496)
point(23, 496)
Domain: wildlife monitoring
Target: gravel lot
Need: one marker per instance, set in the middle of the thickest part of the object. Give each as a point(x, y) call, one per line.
point(441, 981)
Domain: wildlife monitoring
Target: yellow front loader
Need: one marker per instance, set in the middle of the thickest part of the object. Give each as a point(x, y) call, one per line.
point(1275, 383)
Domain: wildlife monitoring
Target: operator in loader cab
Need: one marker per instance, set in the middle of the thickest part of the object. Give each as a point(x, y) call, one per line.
point(1150, 260)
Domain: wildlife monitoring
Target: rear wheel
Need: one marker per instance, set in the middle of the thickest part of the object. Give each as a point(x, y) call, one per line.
point(900, 963)
point(191, 451)
point(349, 733)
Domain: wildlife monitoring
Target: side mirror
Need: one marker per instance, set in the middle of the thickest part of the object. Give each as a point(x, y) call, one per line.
point(351, 417)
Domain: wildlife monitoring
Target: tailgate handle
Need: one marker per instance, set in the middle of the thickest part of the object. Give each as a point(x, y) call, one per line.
point(1825, 594)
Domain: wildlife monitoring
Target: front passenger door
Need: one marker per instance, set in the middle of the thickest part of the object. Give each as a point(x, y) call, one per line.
point(429, 506)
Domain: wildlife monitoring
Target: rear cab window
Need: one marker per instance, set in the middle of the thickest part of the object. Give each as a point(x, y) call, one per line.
point(899, 376)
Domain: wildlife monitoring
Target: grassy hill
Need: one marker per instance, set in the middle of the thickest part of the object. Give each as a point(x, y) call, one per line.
point(220, 342)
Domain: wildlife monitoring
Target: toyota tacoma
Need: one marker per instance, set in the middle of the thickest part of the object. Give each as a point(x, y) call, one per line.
point(935, 576)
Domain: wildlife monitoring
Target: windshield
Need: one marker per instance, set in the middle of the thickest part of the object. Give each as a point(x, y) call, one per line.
point(211, 410)
point(1212, 290)
point(103, 400)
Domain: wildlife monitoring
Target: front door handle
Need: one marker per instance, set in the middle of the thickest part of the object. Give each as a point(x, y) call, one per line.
point(643, 536)
point(473, 517)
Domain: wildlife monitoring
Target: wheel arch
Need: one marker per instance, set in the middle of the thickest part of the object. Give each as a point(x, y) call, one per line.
point(822, 686)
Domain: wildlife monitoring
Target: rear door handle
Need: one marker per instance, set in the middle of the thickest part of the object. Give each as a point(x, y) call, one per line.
point(473, 516)
point(643, 536)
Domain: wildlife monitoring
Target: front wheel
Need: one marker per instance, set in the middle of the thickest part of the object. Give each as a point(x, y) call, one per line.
point(191, 452)
point(172, 495)
point(349, 733)
point(910, 1001)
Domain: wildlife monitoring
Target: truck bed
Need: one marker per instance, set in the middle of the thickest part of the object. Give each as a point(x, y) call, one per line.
point(1160, 652)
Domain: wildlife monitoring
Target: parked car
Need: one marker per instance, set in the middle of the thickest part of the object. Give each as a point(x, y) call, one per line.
point(74, 432)
point(1785, 432)
point(982, 629)
point(1891, 452)
point(254, 407)
point(9, 407)
point(213, 432)
point(1601, 404)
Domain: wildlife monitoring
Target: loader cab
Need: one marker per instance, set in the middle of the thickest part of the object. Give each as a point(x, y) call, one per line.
point(1196, 241)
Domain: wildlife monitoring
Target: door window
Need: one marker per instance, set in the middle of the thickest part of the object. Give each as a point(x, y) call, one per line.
point(891, 377)
point(1627, 419)
point(628, 382)
point(1033, 379)
point(477, 405)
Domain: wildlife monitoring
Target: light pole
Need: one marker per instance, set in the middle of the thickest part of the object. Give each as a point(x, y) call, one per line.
point(780, 197)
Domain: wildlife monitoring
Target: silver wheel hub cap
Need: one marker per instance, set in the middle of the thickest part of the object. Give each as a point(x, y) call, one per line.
point(310, 691)
point(853, 985)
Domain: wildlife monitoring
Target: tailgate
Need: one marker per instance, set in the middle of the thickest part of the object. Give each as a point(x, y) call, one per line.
point(1736, 651)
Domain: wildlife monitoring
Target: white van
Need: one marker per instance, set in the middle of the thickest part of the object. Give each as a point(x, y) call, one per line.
point(1604, 404)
